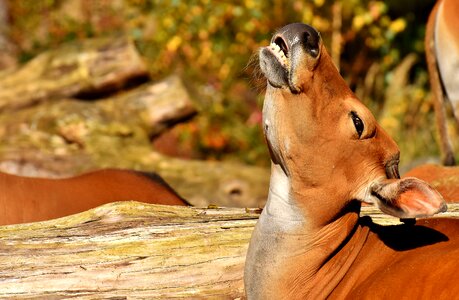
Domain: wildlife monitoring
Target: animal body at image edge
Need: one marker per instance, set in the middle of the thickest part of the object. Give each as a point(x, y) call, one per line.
point(26, 199)
point(442, 54)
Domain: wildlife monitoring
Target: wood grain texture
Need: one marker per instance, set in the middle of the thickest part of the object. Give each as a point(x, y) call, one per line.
point(134, 250)
point(144, 111)
point(130, 249)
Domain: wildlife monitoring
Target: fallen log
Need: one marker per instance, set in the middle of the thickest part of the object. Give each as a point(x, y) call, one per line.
point(130, 249)
point(140, 113)
point(87, 67)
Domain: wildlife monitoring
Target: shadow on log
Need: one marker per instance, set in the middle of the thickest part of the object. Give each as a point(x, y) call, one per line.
point(130, 249)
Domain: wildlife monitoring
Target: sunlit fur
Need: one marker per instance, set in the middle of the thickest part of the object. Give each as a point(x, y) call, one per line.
point(26, 199)
point(442, 54)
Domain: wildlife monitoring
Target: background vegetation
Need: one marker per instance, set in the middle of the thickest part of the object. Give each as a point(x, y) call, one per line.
point(378, 46)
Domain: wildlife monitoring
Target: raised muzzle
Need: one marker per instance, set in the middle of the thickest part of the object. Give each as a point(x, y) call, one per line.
point(298, 35)
point(294, 48)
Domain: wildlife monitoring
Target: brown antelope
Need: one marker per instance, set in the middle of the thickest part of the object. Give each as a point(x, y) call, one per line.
point(26, 199)
point(329, 155)
point(442, 53)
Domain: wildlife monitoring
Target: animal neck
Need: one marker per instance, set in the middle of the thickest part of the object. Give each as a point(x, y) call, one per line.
point(290, 256)
point(280, 209)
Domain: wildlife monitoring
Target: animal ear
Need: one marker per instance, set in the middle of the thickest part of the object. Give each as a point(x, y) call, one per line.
point(408, 198)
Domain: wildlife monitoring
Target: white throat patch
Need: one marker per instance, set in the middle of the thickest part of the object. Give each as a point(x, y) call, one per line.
point(280, 212)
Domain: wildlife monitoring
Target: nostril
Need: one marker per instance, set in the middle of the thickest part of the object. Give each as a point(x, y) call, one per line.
point(279, 41)
point(392, 169)
point(311, 42)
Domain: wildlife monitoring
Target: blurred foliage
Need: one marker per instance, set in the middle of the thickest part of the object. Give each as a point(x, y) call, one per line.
point(210, 44)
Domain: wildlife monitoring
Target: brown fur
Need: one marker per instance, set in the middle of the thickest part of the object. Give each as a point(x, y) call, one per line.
point(405, 262)
point(25, 199)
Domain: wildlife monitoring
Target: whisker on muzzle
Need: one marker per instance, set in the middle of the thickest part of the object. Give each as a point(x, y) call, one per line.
point(257, 79)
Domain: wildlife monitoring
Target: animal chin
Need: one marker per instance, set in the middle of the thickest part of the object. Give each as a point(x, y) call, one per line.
point(273, 66)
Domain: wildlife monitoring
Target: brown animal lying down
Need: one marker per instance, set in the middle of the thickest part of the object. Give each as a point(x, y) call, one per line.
point(26, 199)
point(328, 156)
point(444, 179)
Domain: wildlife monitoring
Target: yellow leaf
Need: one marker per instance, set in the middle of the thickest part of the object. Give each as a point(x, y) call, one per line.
point(358, 22)
point(174, 43)
point(398, 25)
point(319, 3)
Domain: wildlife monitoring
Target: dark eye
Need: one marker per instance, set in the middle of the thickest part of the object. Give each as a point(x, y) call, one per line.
point(358, 123)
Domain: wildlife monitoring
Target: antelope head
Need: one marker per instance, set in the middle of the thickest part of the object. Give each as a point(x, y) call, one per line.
point(325, 141)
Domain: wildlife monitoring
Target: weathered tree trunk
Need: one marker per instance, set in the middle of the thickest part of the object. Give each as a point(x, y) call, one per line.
point(83, 68)
point(147, 110)
point(129, 249)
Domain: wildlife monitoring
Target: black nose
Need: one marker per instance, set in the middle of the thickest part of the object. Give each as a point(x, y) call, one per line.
point(289, 35)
